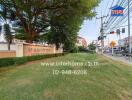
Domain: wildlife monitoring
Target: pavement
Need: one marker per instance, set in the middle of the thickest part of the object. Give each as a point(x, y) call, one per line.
point(123, 59)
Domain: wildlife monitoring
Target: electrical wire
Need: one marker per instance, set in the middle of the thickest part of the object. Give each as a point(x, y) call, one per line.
point(117, 22)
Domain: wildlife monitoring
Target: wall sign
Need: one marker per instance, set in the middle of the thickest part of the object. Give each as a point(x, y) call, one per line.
point(117, 11)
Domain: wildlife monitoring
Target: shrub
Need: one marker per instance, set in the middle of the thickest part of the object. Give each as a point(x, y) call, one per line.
point(21, 60)
point(82, 49)
point(4, 62)
point(92, 46)
point(74, 50)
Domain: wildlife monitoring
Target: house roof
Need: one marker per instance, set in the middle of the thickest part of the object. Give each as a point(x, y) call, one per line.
point(117, 8)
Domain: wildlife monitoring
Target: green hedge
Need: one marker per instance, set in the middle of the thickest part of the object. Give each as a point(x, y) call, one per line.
point(5, 62)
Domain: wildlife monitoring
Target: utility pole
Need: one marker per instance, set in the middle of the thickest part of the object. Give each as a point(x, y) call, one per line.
point(129, 30)
point(102, 33)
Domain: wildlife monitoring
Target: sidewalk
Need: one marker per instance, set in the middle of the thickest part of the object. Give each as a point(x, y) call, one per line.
point(122, 59)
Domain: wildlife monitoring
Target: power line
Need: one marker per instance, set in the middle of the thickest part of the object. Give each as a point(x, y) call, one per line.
point(112, 20)
point(117, 22)
point(107, 7)
point(121, 20)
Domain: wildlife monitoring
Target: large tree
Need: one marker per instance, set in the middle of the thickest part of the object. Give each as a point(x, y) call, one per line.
point(32, 14)
point(65, 23)
point(62, 18)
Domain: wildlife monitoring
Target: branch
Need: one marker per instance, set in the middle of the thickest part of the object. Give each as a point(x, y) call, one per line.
point(22, 19)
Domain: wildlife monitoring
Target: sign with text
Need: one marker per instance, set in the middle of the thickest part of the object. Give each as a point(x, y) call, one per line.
point(117, 11)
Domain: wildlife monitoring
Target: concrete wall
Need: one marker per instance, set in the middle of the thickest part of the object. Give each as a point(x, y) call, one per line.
point(30, 49)
point(5, 54)
point(25, 49)
point(4, 46)
point(60, 50)
point(35, 49)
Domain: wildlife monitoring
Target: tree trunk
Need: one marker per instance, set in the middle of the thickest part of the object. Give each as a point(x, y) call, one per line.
point(9, 46)
point(31, 37)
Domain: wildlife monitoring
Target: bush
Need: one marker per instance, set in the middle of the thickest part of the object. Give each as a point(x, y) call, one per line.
point(92, 46)
point(4, 62)
point(74, 50)
point(82, 49)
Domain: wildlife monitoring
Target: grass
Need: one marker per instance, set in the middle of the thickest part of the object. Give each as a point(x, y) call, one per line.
point(109, 80)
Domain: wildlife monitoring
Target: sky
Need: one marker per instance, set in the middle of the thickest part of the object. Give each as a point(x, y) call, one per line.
point(90, 29)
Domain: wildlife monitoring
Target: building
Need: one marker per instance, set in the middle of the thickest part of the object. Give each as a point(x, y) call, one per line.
point(81, 42)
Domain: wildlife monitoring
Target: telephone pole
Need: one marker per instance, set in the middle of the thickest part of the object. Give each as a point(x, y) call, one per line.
point(102, 33)
point(129, 30)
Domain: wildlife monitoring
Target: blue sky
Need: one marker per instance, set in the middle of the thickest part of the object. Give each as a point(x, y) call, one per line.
point(91, 28)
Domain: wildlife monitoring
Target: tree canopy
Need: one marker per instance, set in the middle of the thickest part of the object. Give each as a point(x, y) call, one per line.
point(59, 20)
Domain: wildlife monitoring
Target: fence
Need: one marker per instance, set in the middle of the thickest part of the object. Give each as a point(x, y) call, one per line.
point(26, 49)
point(4, 54)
